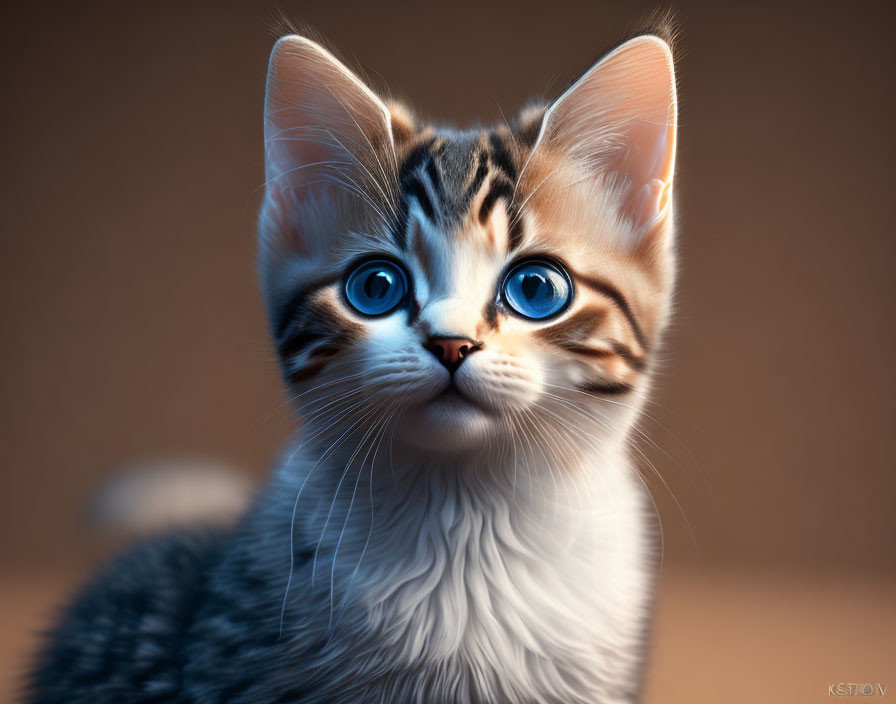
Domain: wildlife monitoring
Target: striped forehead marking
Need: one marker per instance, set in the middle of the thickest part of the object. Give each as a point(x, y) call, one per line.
point(444, 174)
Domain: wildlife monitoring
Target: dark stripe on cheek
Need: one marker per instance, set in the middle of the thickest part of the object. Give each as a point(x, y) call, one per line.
point(297, 343)
point(286, 315)
point(318, 357)
point(607, 388)
point(324, 340)
point(619, 350)
point(575, 329)
point(614, 295)
point(309, 371)
point(314, 366)
point(319, 332)
point(637, 363)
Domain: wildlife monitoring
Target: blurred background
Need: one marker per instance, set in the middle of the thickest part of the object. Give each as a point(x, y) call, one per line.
point(131, 150)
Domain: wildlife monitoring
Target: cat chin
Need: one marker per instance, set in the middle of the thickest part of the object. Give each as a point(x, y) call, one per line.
point(446, 423)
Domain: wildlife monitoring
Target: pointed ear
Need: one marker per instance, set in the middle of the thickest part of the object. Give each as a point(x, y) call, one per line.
point(619, 122)
point(323, 127)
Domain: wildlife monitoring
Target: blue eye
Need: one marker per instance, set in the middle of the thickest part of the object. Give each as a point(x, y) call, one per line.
point(376, 287)
point(537, 290)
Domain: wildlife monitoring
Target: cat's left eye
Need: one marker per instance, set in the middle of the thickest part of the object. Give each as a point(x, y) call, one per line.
point(376, 287)
point(537, 290)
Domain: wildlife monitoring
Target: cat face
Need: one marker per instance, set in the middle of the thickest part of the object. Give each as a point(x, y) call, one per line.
point(464, 287)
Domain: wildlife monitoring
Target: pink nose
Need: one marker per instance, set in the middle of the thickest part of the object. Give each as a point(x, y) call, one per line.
point(451, 351)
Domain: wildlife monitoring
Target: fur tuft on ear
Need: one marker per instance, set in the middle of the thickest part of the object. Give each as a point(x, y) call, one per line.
point(404, 123)
point(618, 123)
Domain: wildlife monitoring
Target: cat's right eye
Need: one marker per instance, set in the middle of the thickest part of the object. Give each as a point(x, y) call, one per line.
point(376, 287)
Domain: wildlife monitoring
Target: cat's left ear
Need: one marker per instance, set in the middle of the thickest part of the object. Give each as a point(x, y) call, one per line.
point(619, 121)
point(324, 127)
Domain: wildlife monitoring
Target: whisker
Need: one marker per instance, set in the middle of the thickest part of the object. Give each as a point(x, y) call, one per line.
point(293, 518)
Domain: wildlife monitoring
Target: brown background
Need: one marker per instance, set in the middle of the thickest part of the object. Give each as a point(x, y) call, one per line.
point(130, 146)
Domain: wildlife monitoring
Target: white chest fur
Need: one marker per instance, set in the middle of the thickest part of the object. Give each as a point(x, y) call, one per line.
point(465, 589)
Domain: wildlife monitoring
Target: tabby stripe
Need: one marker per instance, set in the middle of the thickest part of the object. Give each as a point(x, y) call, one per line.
point(620, 350)
point(607, 388)
point(307, 335)
point(400, 230)
point(434, 178)
point(318, 358)
point(287, 312)
point(614, 295)
point(478, 177)
point(579, 326)
point(501, 157)
point(416, 189)
point(416, 158)
point(413, 311)
point(409, 178)
point(499, 188)
point(490, 315)
point(422, 252)
point(308, 371)
point(635, 362)
point(297, 343)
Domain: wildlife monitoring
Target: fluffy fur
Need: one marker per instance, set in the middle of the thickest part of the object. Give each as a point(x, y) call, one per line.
point(475, 535)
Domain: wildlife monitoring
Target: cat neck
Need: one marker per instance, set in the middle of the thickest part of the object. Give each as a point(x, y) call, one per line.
point(343, 499)
point(463, 559)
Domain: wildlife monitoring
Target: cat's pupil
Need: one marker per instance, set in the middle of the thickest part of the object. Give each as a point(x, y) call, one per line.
point(377, 284)
point(536, 287)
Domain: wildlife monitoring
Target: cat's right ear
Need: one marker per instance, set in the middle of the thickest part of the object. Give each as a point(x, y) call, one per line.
point(323, 127)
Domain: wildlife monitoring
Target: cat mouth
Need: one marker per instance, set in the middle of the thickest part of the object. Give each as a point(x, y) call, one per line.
point(451, 395)
point(448, 420)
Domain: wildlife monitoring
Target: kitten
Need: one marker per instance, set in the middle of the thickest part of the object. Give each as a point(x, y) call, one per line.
point(467, 322)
